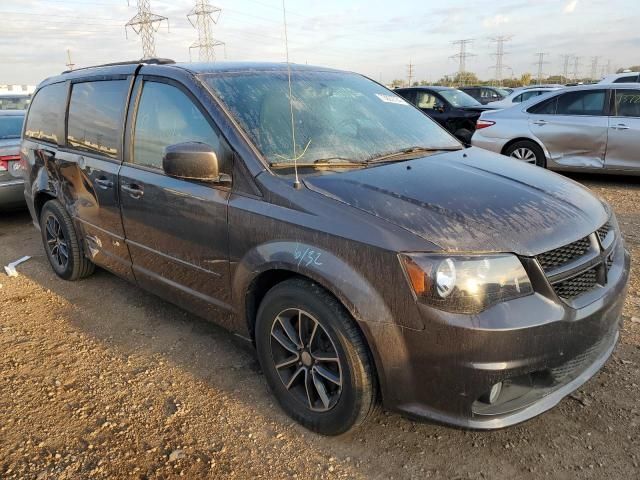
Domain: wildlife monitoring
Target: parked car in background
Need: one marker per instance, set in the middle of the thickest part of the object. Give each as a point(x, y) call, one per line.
point(374, 258)
point(627, 77)
point(591, 128)
point(485, 94)
point(11, 182)
point(452, 108)
point(14, 101)
point(521, 95)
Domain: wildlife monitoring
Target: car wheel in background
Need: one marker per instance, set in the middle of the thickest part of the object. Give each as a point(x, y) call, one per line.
point(526, 151)
point(314, 358)
point(464, 135)
point(61, 243)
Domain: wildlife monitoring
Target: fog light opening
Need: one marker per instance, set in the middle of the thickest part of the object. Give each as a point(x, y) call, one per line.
point(492, 396)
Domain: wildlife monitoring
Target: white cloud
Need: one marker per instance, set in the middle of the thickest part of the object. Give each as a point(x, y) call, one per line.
point(571, 6)
point(495, 21)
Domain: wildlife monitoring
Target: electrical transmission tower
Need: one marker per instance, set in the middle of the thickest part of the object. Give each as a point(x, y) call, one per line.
point(205, 17)
point(145, 24)
point(69, 63)
point(576, 67)
point(500, 53)
point(410, 72)
point(462, 57)
point(565, 67)
point(540, 63)
point(594, 67)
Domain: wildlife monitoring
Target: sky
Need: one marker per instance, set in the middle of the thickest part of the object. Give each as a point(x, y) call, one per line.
point(374, 37)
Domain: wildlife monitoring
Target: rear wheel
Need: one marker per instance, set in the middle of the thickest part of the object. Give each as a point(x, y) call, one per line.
point(314, 358)
point(61, 243)
point(526, 151)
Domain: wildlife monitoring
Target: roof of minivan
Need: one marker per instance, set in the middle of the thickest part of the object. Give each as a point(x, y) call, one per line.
point(435, 88)
point(194, 68)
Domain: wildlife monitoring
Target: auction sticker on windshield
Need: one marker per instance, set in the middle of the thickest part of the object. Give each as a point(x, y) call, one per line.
point(391, 99)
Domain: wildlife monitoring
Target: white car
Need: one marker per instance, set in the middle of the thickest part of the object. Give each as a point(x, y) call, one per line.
point(625, 77)
point(521, 95)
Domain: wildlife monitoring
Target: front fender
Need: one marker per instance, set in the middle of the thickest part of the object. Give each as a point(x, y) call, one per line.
point(334, 274)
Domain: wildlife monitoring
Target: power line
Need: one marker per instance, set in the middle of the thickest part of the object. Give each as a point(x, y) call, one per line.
point(576, 67)
point(145, 23)
point(566, 59)
point(206, 15)
point(462, 57)
point(69, 63)
point(410, 71)
point(594, 67)
point(500, 53)
point(540, 63)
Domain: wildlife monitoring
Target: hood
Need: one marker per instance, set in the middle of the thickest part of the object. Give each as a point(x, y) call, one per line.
point(471, 200)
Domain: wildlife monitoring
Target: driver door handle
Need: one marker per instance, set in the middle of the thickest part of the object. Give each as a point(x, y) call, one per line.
point(540, 122)
point(134, 191)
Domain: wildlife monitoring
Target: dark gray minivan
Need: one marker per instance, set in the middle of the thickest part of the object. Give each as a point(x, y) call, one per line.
point(396, 266)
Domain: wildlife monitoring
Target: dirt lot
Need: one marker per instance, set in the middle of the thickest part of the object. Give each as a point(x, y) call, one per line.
point(100, 380)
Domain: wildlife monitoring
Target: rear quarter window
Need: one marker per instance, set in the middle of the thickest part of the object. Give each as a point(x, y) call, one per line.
point(46, 116)
point(96, 115)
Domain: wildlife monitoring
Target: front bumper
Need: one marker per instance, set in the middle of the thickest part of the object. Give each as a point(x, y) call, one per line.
point(12, 194)
point(540, 349)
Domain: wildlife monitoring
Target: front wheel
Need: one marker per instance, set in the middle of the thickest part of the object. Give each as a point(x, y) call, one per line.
point(527, 151)
point(314, 358)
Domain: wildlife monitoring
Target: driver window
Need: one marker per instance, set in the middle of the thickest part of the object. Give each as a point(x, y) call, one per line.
point(167, 116)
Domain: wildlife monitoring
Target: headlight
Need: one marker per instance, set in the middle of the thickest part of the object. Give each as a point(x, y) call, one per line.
point(465, 284)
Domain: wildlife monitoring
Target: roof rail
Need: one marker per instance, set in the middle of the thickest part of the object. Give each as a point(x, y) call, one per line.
point(147, 61)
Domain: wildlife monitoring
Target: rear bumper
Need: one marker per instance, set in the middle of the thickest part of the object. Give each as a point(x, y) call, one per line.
point(12, 194)
point(488, 143)
point(541, 350)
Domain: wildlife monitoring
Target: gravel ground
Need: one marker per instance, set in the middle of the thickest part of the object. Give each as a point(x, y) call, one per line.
point(99, 379)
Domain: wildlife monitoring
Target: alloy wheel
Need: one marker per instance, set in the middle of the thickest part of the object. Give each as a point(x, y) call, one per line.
point(306, 359)
point(56, 242)
point(524, 154)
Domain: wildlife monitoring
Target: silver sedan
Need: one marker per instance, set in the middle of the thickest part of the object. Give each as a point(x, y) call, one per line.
point(590, 128)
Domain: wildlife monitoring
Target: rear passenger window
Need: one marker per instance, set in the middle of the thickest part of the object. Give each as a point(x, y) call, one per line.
point(587, 102)
point(548, 107)
point(167, 116)
point(96, 115)
point(628, 79)
point(46, 116)
point(627, 103)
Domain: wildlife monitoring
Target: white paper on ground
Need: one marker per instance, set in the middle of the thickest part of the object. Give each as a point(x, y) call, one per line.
point(11, 268)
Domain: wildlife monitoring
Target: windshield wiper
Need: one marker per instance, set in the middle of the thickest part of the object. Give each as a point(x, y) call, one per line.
point(408, 151)
point(320, 163)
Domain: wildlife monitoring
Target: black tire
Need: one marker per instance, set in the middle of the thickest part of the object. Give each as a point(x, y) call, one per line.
point(56, 222)
point(464, 135)
point(523, 146)
point(350, 403)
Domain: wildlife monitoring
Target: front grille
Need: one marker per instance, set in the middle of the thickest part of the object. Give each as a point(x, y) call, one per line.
point(576, 286)
point(563, 255)
point(603, 231)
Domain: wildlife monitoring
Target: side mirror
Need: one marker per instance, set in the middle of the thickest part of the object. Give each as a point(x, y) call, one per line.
point(192, 161)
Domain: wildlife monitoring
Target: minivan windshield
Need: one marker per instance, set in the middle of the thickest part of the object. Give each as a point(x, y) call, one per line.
point(338, 116)
point(459, 99)
point(10, 126)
